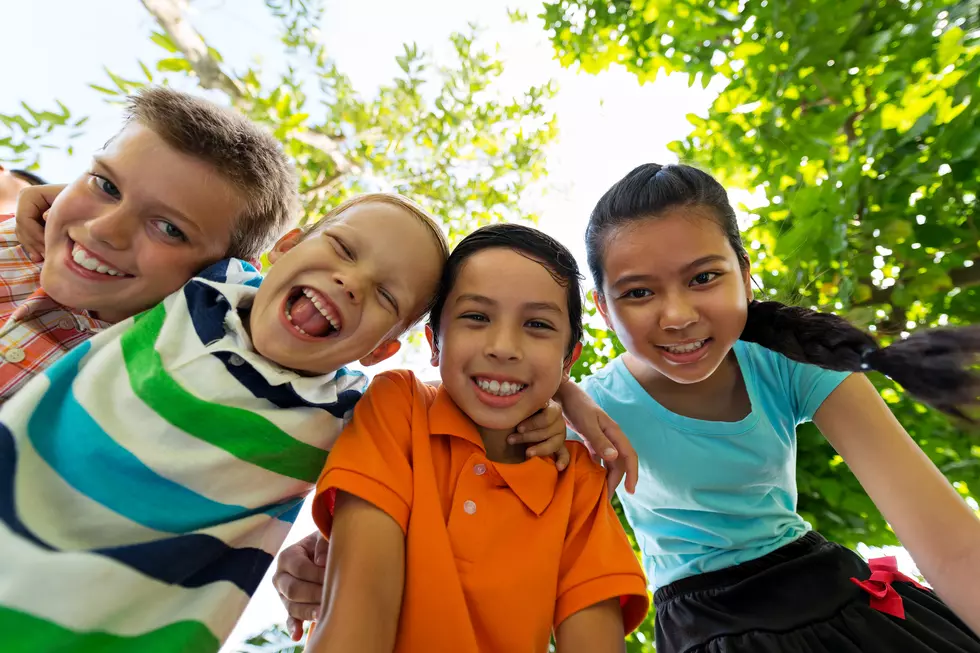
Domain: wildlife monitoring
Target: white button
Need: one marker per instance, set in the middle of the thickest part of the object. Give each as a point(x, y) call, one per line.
point(469, 507)
point(236, 360)
point(13, 355)
point(66, 323)
point(479, 469)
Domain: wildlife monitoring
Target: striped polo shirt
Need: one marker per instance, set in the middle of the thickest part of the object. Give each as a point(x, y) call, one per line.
point(148, 477)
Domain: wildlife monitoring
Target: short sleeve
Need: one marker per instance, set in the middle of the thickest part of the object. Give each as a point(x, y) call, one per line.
point(809, 386)
point(370, 459)
point(597, 560)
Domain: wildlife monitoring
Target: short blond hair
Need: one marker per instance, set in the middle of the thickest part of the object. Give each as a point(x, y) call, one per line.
point(240, 151)
point(402, 202)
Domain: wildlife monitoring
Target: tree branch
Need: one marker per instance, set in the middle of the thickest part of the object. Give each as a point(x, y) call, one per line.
point(169, 14)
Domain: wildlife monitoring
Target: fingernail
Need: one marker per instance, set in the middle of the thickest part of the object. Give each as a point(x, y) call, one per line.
point(609, 453)
point(520, 429)
point(511, 439)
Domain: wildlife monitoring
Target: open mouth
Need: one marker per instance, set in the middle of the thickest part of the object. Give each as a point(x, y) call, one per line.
point(686, 348)
point(311, 313)
point(499, 388)
point(89, 261)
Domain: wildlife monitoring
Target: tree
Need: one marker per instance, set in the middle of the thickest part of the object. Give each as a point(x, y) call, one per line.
point(25, 135)
point(859, 122)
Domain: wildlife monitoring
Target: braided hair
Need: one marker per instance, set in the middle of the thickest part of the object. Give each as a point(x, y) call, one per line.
point(936, 366)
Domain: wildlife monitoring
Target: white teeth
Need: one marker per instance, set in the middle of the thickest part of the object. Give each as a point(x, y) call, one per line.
point(81, 257)
point(500, 389)
point(325, 311)
point(685, 349)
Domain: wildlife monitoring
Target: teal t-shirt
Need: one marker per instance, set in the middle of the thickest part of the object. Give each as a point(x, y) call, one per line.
point(713, 495)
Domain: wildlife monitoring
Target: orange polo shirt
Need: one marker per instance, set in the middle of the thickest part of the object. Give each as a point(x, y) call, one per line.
point(496, 555)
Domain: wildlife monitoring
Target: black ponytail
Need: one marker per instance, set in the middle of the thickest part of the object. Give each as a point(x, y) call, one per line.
point(933, 365)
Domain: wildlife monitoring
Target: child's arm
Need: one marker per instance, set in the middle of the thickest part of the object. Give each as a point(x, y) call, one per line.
point(933, 522)
point(596, 629)
point(601, 434)
point(364, 583)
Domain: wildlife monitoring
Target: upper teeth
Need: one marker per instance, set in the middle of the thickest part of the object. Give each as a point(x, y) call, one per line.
point(325, 311)
point(500, 389)
point(685, 349)
point(80, 256)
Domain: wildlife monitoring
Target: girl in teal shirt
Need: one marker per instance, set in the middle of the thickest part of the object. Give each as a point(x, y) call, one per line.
point(711, 389)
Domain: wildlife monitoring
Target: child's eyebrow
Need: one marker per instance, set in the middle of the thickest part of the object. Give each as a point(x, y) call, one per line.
point(543, 306)
point(479, 299)
point(529, 306)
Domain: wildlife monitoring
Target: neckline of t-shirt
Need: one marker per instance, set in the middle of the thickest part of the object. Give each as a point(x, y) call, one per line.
point(691, 424)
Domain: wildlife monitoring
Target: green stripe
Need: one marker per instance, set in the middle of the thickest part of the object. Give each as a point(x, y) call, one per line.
point(240, 432)
point(24, 633)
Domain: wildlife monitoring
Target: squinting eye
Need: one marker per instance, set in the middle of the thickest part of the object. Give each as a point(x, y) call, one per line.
point(704, 277)
point(169, 230)
point(475, 317)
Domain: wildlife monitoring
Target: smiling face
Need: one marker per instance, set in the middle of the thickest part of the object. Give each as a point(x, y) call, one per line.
point(346, 291)
point(136, 227)
point(675, 293)
point(503, 338)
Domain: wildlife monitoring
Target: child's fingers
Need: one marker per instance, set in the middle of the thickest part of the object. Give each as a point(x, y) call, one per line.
point(295, 628)
point(31, 236)
point(614, 476)
point(547, 447)
point(562, 458)
point(320, 552)
point(626, 455)
point(540, 420)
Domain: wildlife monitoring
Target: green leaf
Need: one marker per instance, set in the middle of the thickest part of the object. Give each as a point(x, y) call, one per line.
point(164, 42)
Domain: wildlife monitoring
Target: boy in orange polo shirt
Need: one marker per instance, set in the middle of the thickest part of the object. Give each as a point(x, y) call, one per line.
point(443, 537)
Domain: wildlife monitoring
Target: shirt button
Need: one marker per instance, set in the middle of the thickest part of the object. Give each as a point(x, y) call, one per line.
point(13, 355)
point(469, 507)
point(236, 360)
point(480, 469)
point(66, 323)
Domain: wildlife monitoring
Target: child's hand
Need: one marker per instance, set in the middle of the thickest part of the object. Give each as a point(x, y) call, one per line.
point(601, 434)
point(299, 581)
point(546, 431)
point(32, 207)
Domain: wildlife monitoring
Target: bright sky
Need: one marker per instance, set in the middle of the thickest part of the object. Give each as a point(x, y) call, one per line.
point(609, 123)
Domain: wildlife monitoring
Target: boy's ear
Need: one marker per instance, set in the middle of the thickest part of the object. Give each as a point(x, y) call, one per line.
point(385, 350)
point(576, 352)
point(600, 303)
point(284, 244)
point(433, 345)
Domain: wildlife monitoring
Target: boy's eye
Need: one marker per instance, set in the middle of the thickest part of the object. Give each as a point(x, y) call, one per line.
point(106, 186)
point(169, 230)
point(347, 252)
point(704, 277)
point(388, 298)
point(539, 324)
point(637, 293)
point(475, 317)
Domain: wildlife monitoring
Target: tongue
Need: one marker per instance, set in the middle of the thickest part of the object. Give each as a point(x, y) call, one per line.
point(308, 318)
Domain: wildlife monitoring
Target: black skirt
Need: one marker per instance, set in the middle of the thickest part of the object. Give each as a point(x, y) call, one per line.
point(801, 599)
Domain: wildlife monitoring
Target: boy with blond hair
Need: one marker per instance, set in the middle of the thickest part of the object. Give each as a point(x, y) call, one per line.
point(184, 184)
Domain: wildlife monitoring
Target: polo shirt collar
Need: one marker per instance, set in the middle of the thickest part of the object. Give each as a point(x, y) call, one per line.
point(40, 303)
point(533, 481)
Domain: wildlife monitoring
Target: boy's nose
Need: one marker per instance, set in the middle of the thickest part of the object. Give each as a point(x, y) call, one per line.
point(502, 345)
point(113, 228)
point(351, 284)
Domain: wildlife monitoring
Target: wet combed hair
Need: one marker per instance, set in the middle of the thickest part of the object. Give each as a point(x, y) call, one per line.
point(402, 202)
point(528, 242)
point(240, 151)
point(933, 365)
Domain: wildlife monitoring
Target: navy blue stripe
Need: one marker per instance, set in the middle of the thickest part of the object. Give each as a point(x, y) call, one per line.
point(208, 308)
point(188, 561)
